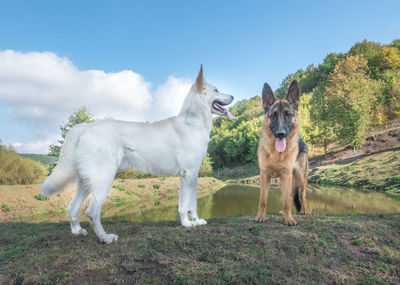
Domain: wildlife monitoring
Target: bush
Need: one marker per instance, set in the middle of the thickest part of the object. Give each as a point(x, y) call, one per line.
point(206, 167)
point(19, 170)
point(133, 174)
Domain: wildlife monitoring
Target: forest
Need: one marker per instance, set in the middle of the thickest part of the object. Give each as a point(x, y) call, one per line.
point(342, 99)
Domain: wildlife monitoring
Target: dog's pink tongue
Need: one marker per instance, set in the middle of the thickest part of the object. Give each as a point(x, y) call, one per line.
point(280, 145)
point(227, 113)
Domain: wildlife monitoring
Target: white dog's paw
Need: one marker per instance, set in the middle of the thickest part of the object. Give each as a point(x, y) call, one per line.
point(199, 222)
point(109, 238)
point(80, 232)
point(187, 224)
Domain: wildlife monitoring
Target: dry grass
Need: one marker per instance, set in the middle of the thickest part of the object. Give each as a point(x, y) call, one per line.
point(18, 170)
point(138, 193)
point(375, 172)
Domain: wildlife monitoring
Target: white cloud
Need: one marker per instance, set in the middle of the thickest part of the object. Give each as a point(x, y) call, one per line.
point(169, 96)
point(32, 147)
point(41, 89)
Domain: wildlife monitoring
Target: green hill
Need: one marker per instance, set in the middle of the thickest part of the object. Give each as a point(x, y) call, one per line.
point(42, 158)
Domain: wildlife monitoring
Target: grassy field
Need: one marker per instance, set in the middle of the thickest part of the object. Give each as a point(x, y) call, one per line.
point(322, 249)
point(375, 172)
point(22, 202)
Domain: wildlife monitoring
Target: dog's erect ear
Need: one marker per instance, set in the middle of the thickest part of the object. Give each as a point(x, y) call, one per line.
point(293, 95)
point(200, 80)
point(268, 97)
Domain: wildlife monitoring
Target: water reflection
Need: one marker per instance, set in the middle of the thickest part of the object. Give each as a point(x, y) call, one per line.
point(243, 200)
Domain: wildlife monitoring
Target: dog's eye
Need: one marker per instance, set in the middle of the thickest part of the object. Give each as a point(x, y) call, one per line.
point(273, 115)
point(287, 114)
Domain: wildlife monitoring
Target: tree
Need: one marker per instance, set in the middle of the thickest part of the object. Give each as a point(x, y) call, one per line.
point(350, 96)
point(387, 58)
point(390, 101)
point(82, 115)
point(321, 131)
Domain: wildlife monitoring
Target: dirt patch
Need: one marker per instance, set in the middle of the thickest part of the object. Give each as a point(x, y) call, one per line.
point(374, 144)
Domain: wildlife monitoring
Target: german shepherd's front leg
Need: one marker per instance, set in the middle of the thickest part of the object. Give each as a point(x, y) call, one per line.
point(287, 194)
point(265, 179)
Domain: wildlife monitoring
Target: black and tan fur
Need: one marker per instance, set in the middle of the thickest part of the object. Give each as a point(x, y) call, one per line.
point(291, 165)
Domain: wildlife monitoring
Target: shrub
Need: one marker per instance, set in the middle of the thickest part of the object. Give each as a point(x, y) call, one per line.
point(40, 197)
point(206, 167)
point(133, 174)
point(18, 170)
point(5, 207)
point(119, 187)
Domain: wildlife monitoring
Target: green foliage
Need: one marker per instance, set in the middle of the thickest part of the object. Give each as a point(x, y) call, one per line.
point(350, 96)
point(40, 197)
point(156, 186)
point(18, 170)
point(206, 167)
point(42, 158)
point(235, 143)
point(133, 174)
point(5, 207)
point(118, 187)
point(82, 115)
point(389, 102)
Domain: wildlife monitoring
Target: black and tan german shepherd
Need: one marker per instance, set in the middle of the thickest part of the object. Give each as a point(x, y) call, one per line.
point(282, 153)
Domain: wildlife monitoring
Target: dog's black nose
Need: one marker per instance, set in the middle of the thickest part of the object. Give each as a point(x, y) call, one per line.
point(280, 134)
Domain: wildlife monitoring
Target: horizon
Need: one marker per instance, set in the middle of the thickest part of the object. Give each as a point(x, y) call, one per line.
point(136, 60)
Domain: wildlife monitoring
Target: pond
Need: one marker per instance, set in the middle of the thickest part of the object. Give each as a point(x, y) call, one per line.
point(243, 200)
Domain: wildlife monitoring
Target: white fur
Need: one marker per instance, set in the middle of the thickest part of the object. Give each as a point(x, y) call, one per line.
point(93, 154)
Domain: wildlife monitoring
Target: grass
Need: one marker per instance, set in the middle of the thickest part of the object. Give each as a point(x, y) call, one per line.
point(6, 207)
point(361, 249)
point(40, 197)
point(18, 170)
point(25, 201)
point(239, 172)
point(118, 187)
point(375, 172)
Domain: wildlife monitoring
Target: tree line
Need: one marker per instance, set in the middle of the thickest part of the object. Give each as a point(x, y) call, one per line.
point(342, 98)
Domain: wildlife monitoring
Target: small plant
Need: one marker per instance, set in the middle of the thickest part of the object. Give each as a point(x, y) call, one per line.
point(157, 203)
point(141, 186)
point(162, 178)
point(119, 187)
point(397, 179)
point(5, 207)
point(170, 191)
point(156, 186)
point(118, 202)
point(40, 197)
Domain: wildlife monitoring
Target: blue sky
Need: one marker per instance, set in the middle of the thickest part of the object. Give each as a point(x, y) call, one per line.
point(241, 44)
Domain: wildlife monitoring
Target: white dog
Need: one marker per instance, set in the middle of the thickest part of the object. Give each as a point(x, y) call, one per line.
point(92, 154)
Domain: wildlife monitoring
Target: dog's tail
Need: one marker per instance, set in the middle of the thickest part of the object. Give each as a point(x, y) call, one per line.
point(296, 200)
point(65, 171)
